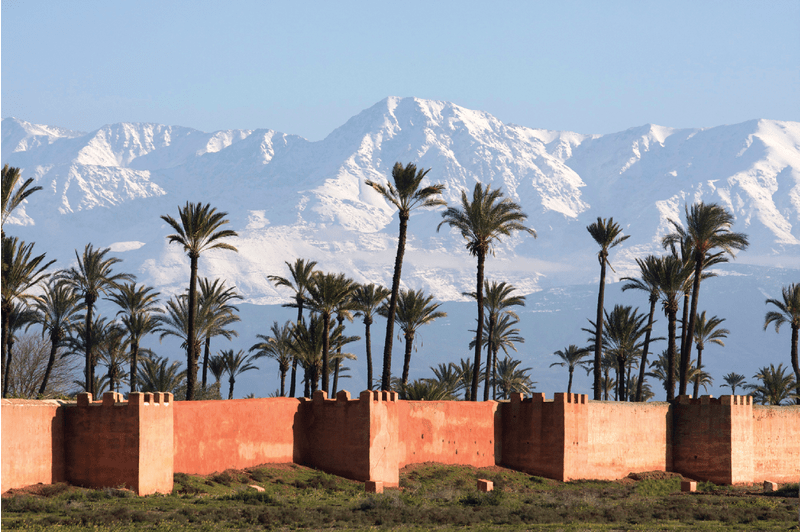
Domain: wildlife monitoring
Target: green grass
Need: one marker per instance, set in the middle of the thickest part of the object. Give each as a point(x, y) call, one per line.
point(430, 497)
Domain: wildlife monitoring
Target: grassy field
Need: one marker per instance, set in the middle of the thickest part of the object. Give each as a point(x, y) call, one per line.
point(430, 497)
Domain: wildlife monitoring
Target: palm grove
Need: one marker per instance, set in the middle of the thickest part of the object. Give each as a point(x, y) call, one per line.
point(312, 350)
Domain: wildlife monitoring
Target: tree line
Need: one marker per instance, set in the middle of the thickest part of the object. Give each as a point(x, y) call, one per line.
point(64, 302)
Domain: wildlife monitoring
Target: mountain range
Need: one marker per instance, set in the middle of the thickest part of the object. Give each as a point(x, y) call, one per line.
point(288, 197)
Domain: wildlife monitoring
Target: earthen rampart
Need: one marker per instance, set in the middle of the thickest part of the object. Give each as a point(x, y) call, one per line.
point(141, 442)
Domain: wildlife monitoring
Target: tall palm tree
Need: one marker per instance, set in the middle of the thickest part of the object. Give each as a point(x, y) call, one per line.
point(235, 364)
point(571, 356)
point(13, 198)
point(406, 195)
point(498, 300)
point(198, 231)
point(512, 379)
point(338, 341)
point(503, 335)
point(20, 273)
point(301, 272)
point(775, 386)
point(707, 330)
point(481, 222)
point(788, 312)
point(156, 374)
point(414, 309)
point(215, 301)
point(734, 380)
point(327, 294)
point(670, 275)
point(708, 227)
point(607, 234)
point(57, 311)
point(139, 309)
point(278, 346)
point(367, 298)
point(93, 276)
point(306, 346)
point(111, 351)
point(644, 283)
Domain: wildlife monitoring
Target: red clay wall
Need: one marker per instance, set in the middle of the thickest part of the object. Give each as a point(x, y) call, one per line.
point(776, 443)
point(546, 438)
point(713, 438)
point(627, 437)
point(334, 435)
point(120, 443)
point(33, 443)
point(213, 436)
point(448, 432)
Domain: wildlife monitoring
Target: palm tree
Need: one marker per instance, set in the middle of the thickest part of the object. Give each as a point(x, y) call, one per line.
point(235, 364)
point(511, 379)
point(449, 377)
point(466, 369)
point(775, 387)
point(367, 298)
point(571, 356)
point(707, 331)
point(301, 272)
point(482, 221)
point(788, 312)
point(339, 340)
point(644, 283)
point(732, 380)
point(57, 311)
point(92, 277)
point(277, 346)
point(217, 367)
point(214, 300)
point(707, 228)
point(659, 370)
point(497, 301)
point(111, 351)
point(670, 275)
point(79, 337)
point(20, 273)
point(621, 337)
point(156, 375)
point(20, 317)
point(139, 309)
point(306, 346)
point(607, 234)
point(414, 309)
point(503, 336)
point(198, 231)
point(406, 195)
point(11, 198)
point(327, 294)
point(425, 390)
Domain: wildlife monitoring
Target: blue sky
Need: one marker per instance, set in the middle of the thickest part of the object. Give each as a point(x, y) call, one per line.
point(306, 67)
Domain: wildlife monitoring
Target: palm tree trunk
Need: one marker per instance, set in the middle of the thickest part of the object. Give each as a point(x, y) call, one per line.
point(293, 382)
point(326, 345)
point(476, 376)
point(134, 364)
point(54, 341)
point(598, 347)
point(398, 266)
point(89, 346)
point(335, 378)
point(569, 386)
point(6, 373)
point(367, 323)
point(407, 358)
point(191, 353)
point(5, 348)
point(494, 373)
point(697, 377)
point(488, 359)
point(231, 381)
point(795, 365)
point(643, 364)
point(307, 390)
point(670, 385)
point(687, 356)
point(206, 352)
point(685, 320)
point(283, 384)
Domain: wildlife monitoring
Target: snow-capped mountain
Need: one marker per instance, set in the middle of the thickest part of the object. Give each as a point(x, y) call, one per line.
point(288, 197)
